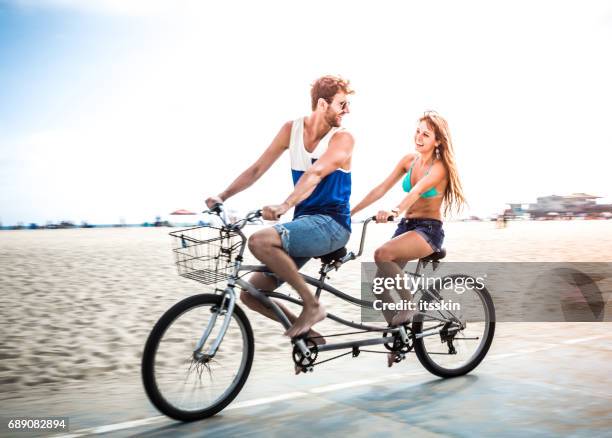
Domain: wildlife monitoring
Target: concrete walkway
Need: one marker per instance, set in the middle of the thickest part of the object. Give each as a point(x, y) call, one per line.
point(539, 383)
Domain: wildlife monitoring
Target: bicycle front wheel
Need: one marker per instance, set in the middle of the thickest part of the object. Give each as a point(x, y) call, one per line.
point(461, 336)
point(179, 381)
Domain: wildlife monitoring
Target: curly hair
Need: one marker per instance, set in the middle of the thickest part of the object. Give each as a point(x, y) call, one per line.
point(326, 87)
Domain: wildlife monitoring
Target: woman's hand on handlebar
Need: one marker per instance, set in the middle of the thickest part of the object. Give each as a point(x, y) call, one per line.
point(384, 216)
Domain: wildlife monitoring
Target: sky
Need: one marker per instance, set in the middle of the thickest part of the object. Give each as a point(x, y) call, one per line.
point(128, 110)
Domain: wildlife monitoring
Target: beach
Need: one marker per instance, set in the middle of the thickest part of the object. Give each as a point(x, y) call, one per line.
point(78, 304)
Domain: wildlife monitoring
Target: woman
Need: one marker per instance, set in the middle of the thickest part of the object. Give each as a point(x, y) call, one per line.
point(430, 179)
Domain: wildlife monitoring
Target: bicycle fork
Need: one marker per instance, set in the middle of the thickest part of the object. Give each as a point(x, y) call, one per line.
point(226, 309)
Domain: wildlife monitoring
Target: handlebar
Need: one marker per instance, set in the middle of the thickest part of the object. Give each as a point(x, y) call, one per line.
point(363, 232)
point(389, 219)
point(219, 210)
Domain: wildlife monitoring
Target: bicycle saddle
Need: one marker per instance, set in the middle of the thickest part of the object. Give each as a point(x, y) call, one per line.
point(435, 256)
point(332, 256)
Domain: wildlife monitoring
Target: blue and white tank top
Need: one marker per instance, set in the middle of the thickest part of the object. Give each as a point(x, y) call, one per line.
point(331, 196)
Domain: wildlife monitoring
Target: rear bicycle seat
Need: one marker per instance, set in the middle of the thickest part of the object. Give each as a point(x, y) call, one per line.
point(434, 257)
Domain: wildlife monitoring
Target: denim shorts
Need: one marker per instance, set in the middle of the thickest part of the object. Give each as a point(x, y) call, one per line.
point(311, 236)
point(430, 229)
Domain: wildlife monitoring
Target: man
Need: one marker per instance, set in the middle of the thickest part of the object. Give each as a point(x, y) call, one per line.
point(320, 152)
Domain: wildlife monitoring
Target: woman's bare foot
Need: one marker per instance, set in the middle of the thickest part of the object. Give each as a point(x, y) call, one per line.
point(310, 316)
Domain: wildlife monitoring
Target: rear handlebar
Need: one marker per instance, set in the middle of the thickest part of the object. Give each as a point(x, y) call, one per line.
point(389, 219)
point(363, 232)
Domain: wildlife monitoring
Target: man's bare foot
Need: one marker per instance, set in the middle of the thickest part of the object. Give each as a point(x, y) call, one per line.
point(402, 317)
point(390, 359)
point(310, 316)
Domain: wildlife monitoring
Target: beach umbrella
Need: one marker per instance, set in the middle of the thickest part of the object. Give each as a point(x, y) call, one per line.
point(182, 213)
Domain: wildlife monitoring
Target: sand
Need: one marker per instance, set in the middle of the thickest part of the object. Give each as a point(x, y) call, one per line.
point(78, 304)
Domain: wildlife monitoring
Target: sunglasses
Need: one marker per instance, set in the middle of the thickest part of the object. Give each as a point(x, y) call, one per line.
point(344, 105)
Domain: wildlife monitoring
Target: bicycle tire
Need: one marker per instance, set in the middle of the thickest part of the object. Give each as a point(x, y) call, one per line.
point(431, 366)
point(150, 350)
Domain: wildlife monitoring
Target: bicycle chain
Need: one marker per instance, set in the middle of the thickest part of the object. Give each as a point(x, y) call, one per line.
point(397, 346)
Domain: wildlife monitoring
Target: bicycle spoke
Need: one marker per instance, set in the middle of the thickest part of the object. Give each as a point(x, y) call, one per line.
point(454, 346)
point(189, 383)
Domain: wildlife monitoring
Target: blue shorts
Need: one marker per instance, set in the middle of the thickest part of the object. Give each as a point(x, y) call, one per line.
point(430, 229)
point(311, 236)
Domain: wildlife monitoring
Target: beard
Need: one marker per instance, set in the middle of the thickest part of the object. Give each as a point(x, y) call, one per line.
point(331, 118)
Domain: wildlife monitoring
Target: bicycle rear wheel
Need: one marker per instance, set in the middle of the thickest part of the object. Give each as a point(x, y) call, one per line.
point(183, 385)
point(466, 334)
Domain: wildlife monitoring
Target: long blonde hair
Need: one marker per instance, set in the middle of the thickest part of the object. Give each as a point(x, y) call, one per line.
point(454, 199)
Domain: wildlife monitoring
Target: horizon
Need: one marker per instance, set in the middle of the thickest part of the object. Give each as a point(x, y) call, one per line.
point(198, 217)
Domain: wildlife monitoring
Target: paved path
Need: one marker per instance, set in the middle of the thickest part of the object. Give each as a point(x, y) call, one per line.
point(530, 384)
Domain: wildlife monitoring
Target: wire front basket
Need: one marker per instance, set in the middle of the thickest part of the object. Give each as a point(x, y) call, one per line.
point(206, 254)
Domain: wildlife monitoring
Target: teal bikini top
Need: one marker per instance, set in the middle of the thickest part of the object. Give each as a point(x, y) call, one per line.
point(407, 185)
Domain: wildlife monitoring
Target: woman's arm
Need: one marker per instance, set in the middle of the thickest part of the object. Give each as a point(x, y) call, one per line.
point(377, 192)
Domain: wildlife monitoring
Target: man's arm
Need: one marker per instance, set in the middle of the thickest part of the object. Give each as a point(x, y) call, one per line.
point(339, 151)
point(257, 169)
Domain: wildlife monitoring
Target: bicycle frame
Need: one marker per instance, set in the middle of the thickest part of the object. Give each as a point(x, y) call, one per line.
point(229, 302)
point(190, 388)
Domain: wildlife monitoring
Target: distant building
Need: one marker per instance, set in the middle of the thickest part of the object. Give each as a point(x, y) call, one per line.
point(516, 209)
point(576, 202)
point(569, 205)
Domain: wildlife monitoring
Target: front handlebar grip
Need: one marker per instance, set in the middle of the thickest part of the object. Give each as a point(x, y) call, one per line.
point(214, 209)
point(254, 215)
